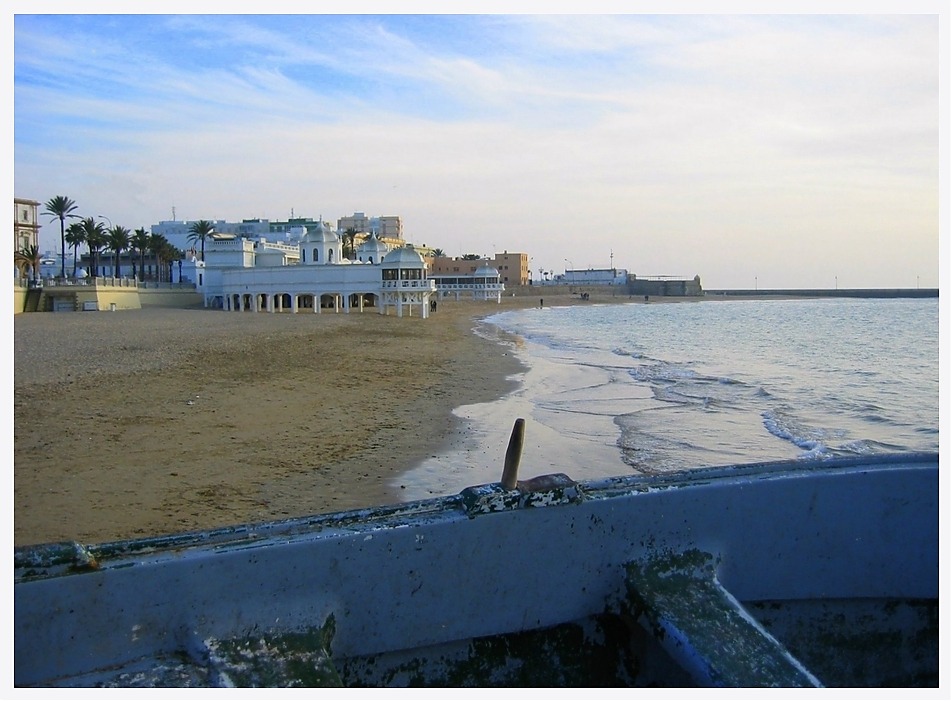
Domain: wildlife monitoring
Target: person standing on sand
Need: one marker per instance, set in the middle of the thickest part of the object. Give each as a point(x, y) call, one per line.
point(540, 303)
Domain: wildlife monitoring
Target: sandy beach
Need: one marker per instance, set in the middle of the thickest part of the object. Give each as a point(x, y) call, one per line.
point(159, 421)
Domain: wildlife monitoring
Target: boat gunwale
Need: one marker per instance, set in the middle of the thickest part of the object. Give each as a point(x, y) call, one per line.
point(41, 561)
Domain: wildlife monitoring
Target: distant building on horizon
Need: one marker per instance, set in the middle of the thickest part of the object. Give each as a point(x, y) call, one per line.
point(388, 229)
point(177, 231)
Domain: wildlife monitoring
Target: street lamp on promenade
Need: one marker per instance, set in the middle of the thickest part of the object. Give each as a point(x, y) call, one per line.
point(572, 267)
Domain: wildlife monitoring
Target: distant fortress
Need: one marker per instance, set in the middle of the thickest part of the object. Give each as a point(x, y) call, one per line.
point(627, 283)
point(598, 280)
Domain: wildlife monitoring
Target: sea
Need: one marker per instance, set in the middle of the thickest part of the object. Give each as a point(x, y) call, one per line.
point(651, 388)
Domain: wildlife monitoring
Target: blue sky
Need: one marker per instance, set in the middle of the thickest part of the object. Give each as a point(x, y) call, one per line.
point(783, 150)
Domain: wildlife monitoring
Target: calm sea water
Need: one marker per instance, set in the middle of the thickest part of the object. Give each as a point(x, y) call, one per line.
point(649, 388)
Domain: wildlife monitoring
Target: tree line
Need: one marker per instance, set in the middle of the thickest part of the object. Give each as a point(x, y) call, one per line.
point(101, 240)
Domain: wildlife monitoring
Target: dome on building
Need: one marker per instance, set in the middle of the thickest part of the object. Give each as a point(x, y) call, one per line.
point(319, 235)
point(486, 271)
point(404, 257)
point(320, 247)
point(372, 250)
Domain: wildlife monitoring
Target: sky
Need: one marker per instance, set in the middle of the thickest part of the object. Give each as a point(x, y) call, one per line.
point(776, 150)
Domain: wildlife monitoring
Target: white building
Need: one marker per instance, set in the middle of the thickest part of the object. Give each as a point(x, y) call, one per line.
point(372, 250)
point(590, 276)
point(240, 274)
point(483, 284)
point(178, 232)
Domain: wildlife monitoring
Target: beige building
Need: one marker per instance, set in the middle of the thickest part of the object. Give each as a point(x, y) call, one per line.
point(388, 229)
point(513, 267)
point(26, 226)
point(359, 222)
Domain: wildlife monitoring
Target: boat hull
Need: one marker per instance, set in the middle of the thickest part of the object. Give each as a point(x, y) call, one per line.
point(405, 594)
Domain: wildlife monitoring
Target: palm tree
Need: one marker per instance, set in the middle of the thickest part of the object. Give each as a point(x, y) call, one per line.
point(350, 235)
point(175, 254)
point(75, 237)
point(437, 253)
point(158, 245)
point(61, 207)
point(29, 257)
point(140, 242)
point(95, 236)
point(118, 241)
point(22, 262)
point(199, 231)
point(168, 254)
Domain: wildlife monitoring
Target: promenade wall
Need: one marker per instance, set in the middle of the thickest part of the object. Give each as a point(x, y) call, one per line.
point(102, 294)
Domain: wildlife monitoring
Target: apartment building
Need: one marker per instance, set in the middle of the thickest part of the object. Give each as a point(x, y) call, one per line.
point(388, 229)
point(513, 268)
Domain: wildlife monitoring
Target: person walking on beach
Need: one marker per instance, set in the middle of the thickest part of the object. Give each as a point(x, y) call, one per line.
point(540, 303)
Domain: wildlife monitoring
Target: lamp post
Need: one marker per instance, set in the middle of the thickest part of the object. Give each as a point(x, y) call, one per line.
point(572, 267)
